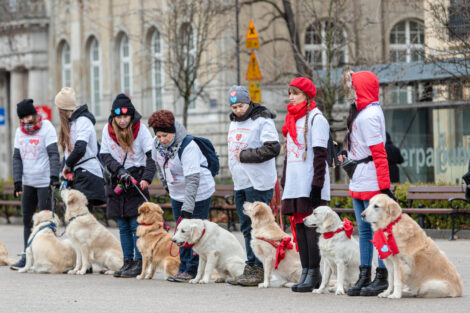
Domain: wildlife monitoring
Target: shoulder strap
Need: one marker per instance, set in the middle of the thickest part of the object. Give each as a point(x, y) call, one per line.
point(184, 143)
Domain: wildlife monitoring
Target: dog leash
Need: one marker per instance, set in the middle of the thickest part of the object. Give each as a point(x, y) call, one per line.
point(174, 232)
point(51, 225)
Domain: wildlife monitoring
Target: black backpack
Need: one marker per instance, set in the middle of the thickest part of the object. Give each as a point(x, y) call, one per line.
point(207, 149)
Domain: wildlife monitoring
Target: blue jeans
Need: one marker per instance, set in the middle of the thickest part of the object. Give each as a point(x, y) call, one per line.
point(127, 232)
point(366, 248)
point(189, 261)
point(250, 195)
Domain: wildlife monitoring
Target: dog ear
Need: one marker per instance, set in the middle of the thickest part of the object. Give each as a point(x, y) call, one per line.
point(195, 233)
point(159, 209)
point(328, 220)
point(394, 209)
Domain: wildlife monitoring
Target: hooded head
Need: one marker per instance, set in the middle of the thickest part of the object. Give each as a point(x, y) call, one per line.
point(306, 85)
point(366, 85)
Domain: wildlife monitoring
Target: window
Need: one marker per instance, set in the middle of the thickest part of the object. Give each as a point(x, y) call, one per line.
point(126, 74)
point(189, 49)
point(459, 25)
point(407, 42)
point(316, 45)
point(95, 77)
point(66, 74)
point(156, 70)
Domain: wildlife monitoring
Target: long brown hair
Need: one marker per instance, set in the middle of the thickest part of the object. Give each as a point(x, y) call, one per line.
point(124, 136)
point(296, 91)
point(64, 131)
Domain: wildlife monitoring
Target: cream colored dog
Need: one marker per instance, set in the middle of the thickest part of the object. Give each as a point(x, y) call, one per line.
point(265, 229)
point(419, 263)
point(4, 259)
point(46, 253)
point(217, 248)
point(93, 243)
point(339, 253)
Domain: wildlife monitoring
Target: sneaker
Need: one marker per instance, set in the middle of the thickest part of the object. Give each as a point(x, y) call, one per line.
point(20, 264)
point(181, 277)
point(127, 263)
point(246, 271)
point(134, 270)
point(254, 278)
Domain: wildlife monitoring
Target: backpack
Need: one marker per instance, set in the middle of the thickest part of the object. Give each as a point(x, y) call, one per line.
point(332, 149)
point(207, 150)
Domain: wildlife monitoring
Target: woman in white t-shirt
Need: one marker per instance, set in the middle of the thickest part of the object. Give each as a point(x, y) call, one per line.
point(365, 143)
point(253, 144)
point(126, 151)
point(35, 165)
point(305, 181)
point(186, 178)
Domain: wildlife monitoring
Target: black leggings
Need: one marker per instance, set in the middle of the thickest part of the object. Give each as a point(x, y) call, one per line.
point(31, 199)
point(307, 239)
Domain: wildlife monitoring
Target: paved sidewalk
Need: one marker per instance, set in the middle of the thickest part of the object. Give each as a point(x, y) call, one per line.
point(100, 293)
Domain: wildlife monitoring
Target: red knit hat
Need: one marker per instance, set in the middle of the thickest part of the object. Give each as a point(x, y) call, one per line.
point(306, 85)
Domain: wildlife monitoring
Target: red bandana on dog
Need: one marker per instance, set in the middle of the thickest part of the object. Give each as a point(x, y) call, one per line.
point(347, 227)
point(280, 248)
point(386, 246)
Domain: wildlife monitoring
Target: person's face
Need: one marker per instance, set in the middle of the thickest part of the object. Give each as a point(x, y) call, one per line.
point(123, 120)
point(165, 138)
point(296, 98)
point(29, 119)
point(240, 108)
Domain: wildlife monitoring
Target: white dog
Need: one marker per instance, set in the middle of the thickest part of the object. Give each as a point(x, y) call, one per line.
point(339, 252)
point(45, 252)
point(217, 248)
point(93, 243)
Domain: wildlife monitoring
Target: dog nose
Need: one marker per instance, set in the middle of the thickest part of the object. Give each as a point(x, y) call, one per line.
point(173, 239)
point(363, 214)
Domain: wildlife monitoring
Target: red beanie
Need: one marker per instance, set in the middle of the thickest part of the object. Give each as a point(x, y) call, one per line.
point(306, 85)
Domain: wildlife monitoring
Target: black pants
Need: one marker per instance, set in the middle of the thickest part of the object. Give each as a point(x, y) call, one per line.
point(31, 199)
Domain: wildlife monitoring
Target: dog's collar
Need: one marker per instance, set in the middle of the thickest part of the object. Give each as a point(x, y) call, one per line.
point(74, 217)
point(51, 225)
point(143, 224)
point(187, 245)
point(347, 227)
point(386, 245)
point(284, 244)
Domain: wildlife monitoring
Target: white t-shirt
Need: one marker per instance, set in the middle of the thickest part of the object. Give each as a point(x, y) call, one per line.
point(142, 144)
point(36, 168)
point(83, 129)
point(368, 129)
point(190, 163)
point(299, 173)
point(251, 134)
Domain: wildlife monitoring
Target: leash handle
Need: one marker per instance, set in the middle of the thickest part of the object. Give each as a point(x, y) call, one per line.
point(174, 232)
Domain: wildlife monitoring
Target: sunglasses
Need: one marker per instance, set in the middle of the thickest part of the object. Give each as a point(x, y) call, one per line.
point(120, 111)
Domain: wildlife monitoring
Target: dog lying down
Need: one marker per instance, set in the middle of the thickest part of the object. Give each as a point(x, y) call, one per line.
point(415, 260)
point(154, 243)
point(4, 259)
point(45, 253)
point(266, 236)
point(93, 243)
point(217, 248)
point(338, 249)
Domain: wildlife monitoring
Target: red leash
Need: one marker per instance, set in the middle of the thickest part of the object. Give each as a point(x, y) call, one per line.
point(171, 244)
point(284, 244)
point(275, 203)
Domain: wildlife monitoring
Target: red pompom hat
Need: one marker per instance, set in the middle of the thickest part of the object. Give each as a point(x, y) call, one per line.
point(306, 85)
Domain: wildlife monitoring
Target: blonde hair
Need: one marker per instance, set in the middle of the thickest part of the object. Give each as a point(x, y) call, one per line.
point(64, 131)
point(124, 136)
point(295, 90)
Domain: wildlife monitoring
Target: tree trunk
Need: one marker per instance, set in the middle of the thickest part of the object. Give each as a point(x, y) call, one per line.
point(185, 111)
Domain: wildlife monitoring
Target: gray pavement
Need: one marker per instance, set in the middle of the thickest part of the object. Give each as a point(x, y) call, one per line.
point(100, 293)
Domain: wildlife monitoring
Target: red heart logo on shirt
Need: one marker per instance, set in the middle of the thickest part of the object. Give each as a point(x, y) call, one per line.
point(233, 93)
point(34, 141)
point(238, 136)
point(124, 110)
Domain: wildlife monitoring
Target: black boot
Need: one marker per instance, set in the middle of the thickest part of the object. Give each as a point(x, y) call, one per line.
point(134, 270)
point(127, 263)
point(364, 280)
point(312, 280)
point(379, 284)
point(301, 280)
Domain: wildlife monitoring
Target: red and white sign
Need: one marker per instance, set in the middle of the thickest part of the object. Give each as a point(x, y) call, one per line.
point(45, 112)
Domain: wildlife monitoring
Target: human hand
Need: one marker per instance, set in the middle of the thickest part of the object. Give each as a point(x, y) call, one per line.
point(55, 181)
point(186, 214)
point(144, 184)
point(315, 196)
point(238, 155)
point(18, 189)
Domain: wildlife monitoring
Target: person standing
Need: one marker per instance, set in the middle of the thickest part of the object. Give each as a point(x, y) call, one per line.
point(305, 181)
point(365, 143)
point(35, 165)
point(186, 177)
point(253, 144)
point(126, 150)
point(394, 158)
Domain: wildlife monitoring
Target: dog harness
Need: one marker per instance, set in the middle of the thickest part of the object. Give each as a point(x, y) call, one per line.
point(347, 227)
point(386, 245)
point(51, 225)
point(280, 248)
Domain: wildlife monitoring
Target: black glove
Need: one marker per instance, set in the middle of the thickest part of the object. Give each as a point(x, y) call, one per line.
point(123, 175)
point(467, 193)
point(55, 181)
point(315, 196)
point(186, 214)
point(167, 190)
point(389, 193)
point(18, 187)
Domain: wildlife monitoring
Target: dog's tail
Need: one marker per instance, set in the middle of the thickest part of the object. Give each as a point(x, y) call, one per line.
point(439, 289)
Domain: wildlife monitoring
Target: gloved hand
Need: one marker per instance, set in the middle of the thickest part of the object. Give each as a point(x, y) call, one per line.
point(55, 181)
point(123, 175)
point(389, 193)
point(467, 193)
point(315, 196)
point(167, 190)
point(342, 155)
point(186, 214)
point(18, 188)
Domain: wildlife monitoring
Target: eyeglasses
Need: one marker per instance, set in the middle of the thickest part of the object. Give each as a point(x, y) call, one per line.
point(120, 111)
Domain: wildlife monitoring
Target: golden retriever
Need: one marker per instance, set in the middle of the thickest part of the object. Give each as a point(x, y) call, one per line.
point(46, 253)
point(264, 227)
point(339, 253)
point(4, 259)
point(217, 248)
point(419, 264)
point(154, 243)
point(93, 243)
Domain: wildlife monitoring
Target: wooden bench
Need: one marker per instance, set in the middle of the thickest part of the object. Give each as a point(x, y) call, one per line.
point(453, 194)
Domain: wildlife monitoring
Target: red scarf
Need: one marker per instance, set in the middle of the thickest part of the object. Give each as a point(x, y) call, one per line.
point(295, 112)
point(30, 130)
point(386, 245)
point(112, 134)
point(347, 227)
point(281, 248)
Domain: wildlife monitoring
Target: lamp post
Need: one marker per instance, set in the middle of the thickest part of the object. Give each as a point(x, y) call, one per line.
point(237, 43)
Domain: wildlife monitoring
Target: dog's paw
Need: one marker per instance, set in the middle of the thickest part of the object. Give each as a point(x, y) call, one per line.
point(22, 270)
point(318, 291)
point(395, 295)
point(263, 285)
point(194, 281)
point(204, 281)
point(81, 272)
point(72, 272)
point(139, 277)
point(339, 291)
point(384, 294)
point(108, 272)
point(220, 280)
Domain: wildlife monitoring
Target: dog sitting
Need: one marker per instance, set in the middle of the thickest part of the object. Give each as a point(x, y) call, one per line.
point(93, 243)
point(266, 238)
point(411, 257)
point(338, 249)
point(217, 248)
point(4, 259)
point(154, 243)
point(45, 253)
